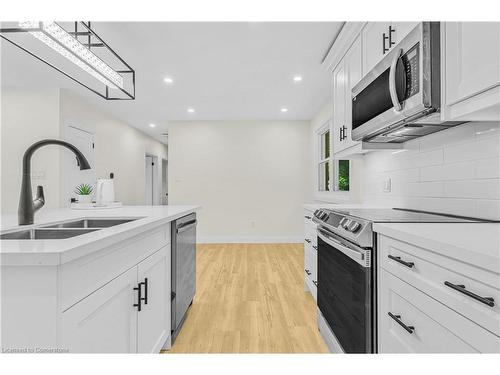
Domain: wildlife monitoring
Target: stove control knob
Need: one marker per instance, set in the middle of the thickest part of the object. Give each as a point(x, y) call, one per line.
point(342, 221)
point(324, 216)
point(346, 223)
point(354, 226)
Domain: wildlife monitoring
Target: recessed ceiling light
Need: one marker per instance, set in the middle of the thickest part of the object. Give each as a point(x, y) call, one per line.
point(297, 78)
point(284, 110)
point(190, 110)
point(168, 80)
point(152, 125)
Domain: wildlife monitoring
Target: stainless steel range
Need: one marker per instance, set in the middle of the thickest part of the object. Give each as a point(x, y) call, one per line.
point(347, 272)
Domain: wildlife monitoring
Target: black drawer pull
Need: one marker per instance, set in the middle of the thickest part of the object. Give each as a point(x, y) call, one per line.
point(461, 288)
point(308, 240)
point(399, 260)
point(315, 283)
point(315, 248)
point(308, 272)
point(397, 318)
point(308, 217)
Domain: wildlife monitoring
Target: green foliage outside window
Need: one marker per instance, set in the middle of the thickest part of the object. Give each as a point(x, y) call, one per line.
point(343, 176)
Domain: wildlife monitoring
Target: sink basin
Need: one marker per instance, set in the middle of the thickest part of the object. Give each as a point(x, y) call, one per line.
point(91, 223)
point(45, 234)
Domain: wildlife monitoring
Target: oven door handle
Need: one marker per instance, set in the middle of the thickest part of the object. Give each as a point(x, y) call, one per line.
point(392, 82)
point(358, 256)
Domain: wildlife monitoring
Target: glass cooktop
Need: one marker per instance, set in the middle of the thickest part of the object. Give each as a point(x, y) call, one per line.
point(399, 215)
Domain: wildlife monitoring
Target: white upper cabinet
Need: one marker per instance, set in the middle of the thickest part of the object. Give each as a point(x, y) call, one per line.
point(471, 52)
point(375, 43)
point(379, 38)
point(354, 70)
point(345, 76)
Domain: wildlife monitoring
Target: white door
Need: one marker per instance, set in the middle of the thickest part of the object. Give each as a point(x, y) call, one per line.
point(71, 175)
point(153, 323)
point(105, 321)
point(472, 59)
point(149, 180)
point(353, 67)
point(339, 82)
point(373, 43)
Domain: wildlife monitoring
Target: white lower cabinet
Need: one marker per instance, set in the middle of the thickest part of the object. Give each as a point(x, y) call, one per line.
point(105, 321)
point(418, 311)
point(153, 321)
point(310, 254)
point(129, 314)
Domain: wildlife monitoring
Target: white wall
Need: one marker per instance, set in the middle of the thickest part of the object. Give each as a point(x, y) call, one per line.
point(28, 116)
point(247, 176)
point(454, 171)
point(119, 148)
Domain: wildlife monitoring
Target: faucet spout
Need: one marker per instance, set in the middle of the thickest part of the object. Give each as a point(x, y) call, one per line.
point(28, 206)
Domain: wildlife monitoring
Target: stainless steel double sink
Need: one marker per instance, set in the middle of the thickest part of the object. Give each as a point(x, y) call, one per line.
point(66, 229)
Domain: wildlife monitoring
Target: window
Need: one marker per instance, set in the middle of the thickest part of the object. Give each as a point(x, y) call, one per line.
point(343, 175)
point(324, 161)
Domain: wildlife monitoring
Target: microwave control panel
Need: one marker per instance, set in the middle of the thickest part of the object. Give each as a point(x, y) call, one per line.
point(411, 62)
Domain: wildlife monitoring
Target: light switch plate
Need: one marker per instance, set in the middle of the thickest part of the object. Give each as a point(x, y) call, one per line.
point(387, 185)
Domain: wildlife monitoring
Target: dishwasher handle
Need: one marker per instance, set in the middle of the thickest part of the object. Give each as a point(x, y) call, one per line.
point(187, 225)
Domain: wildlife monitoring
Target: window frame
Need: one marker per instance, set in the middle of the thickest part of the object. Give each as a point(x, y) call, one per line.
point(320, 161)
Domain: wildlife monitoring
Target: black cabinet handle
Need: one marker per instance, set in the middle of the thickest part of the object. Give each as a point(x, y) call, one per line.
point(315, 283)
point(308, 217)
point(308, 272)
point(341, 131)
point(344, 132)
point(139, 297)
point(397, 318)
point(308, 240)
point(145, 283)
point(315, 248)
point(391, 31)
point(461, 288)
point(399, 260)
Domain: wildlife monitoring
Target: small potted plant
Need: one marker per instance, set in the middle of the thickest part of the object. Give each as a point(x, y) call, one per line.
point(84, 193)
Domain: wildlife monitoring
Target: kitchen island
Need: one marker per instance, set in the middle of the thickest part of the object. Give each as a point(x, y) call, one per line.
point(106, 290)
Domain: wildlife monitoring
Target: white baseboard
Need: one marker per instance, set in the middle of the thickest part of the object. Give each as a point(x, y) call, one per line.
point(250, 239)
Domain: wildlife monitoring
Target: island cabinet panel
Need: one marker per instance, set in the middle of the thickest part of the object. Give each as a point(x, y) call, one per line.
point(104, 322)
point(83, 276)
point(129, 314)
point(153, 324)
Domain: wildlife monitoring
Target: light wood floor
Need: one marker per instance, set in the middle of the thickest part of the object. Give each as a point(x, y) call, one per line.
point(250, 298)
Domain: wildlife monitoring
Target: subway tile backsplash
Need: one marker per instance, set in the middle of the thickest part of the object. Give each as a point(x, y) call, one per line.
point(455, 171)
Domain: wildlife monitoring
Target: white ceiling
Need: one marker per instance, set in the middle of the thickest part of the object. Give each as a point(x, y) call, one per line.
point(225, 71)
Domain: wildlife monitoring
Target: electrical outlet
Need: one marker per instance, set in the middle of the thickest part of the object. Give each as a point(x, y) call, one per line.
point(387, 185)
point(252, 224)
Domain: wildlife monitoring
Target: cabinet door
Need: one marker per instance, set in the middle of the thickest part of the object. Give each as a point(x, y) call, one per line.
point(353, 66)
point(153, 326)
point(402, 29)
point(105, 321)
point(373, 43)
point(472, 59)
point(339, 90)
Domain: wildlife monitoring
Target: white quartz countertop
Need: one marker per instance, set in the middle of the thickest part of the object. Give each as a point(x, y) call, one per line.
point(476, 243)
point(58, 251)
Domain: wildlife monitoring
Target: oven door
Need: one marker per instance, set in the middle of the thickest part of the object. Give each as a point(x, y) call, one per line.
point(345, 291)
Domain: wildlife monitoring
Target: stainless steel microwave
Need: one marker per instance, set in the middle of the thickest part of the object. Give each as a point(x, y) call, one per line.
point(399, 100)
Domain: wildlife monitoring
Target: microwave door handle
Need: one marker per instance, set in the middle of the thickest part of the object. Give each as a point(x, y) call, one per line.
point(392, 82)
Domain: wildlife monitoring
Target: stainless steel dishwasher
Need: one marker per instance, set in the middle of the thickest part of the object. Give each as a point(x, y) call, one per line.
point(183, 269)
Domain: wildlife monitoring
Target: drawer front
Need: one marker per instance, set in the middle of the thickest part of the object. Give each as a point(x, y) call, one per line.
point(311, 263)
point(310, 237)
point(420, 324)
point(83, 276)
point(429, 271)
